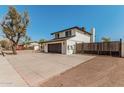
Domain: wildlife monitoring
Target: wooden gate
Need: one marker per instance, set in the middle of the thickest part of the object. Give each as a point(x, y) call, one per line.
point(112, 48)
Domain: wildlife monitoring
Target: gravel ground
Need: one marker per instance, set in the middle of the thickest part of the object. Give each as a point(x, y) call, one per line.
point(102, 71)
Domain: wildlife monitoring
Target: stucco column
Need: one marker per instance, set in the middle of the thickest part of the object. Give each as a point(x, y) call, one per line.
point(46, 48)
point(63, 47)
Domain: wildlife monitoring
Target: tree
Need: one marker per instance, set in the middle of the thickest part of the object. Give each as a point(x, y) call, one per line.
point(14, 26)
point(5, 43)
point(41, 41)
point(27, 39)
point(106, 39)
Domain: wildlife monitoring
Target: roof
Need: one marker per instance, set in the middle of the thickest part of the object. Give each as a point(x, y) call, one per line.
point(72, 28)
point(59, 39)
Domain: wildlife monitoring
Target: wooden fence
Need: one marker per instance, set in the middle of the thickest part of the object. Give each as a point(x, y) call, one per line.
point(102, 48)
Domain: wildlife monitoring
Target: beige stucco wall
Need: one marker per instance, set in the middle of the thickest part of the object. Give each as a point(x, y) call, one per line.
point(71, 47)
point(73, 31)
point(80, 37)
point(45, 47)
point(61, 34)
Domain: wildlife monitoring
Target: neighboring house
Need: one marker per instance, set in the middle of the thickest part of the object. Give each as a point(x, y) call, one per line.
point(65, 41)
point(20, 47)
point(34, 45)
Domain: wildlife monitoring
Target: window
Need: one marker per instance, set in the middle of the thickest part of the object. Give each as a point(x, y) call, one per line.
point(57, 35)
point(68, 33)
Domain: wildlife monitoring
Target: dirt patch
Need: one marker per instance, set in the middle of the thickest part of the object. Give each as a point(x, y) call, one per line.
point(101, 71)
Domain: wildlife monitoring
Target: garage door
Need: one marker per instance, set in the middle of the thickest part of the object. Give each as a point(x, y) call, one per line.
point(54, 48)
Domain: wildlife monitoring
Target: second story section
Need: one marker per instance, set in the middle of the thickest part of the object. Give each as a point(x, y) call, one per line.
point(63, 33)
point(70, 32)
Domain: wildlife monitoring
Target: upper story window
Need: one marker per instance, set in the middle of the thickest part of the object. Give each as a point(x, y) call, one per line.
point(68, 33)
point(57, 35)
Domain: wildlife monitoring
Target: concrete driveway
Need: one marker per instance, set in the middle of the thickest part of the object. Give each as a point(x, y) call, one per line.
point(36, 68)
point(8, 76)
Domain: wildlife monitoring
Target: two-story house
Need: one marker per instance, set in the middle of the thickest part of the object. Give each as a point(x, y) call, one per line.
point(64, 41)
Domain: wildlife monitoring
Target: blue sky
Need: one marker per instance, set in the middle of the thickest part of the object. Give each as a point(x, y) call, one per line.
point(107, 20)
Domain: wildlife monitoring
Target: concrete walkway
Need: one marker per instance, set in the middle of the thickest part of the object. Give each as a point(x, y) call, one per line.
point(8, 76)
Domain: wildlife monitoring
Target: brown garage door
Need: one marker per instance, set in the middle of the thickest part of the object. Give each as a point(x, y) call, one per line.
point(54, 48)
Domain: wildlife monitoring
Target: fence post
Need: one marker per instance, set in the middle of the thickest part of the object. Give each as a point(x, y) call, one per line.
point(76, 48)
point(121, 47)
point(82, 50)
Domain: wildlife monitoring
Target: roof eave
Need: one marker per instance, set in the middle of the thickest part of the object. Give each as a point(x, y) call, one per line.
point(71, 28)
point(60, 39)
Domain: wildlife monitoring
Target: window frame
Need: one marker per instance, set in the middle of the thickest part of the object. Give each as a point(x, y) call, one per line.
point(57, 35)
point(68, 33)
